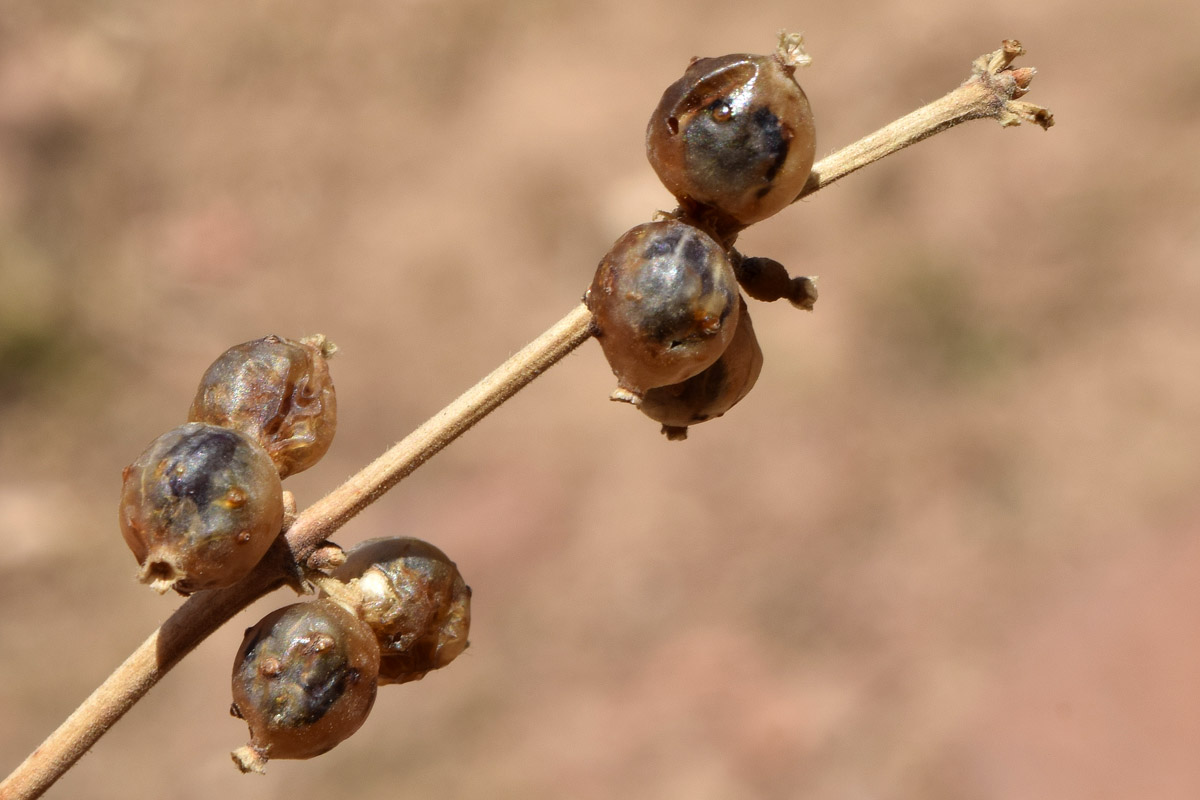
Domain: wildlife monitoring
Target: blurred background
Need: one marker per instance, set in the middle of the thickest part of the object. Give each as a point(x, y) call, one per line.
point(949, 547)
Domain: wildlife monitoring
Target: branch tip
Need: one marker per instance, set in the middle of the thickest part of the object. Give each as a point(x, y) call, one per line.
point(995, 72)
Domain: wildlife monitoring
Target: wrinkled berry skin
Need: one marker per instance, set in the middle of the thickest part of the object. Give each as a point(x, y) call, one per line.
point(665, 304)
point(714, 391)
point(199, 508)
point(414, 599)
point(276, 391)
point(304, 680)
point(735, 134)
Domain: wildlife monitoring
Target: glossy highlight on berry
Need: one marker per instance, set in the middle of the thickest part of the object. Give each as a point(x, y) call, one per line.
point(735, 135)
point(304, 680)
point(665, 305)
point(199, 508)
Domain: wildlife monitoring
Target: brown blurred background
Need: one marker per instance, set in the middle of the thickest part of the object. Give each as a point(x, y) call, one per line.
point(949, 547)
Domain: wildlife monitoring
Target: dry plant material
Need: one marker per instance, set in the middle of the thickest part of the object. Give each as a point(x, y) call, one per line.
point(199, 508)
point(733, 139)
point(276, 391)
point(712, 392)
point(665, 305)
point(767, 280)
point(413, 598)
point(304, 680)
point(992, 91)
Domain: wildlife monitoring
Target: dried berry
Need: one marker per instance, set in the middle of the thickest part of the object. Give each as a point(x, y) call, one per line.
point(665, 305)
point(714, 391)
point(276, 391)
point(304, 680)
point(736, 134)
point(415, 600)
point(199, 508)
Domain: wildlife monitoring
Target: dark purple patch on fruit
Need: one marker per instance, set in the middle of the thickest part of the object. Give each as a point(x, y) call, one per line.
point(193, 461)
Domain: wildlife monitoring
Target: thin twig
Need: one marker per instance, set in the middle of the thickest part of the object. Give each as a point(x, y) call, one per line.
point(992, 91)
point(329, 513)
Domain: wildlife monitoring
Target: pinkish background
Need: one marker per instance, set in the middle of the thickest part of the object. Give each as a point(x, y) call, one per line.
point(949, 547)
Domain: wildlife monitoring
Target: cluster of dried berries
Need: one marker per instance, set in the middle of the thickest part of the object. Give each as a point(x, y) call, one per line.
point(305, 676)
point(203, 504)
point(733, 140)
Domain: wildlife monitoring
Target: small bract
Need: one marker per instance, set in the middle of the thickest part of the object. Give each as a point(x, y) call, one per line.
point(415, 600)
point(276, 391)
point(665, 305)
point(199, 508)
point(304, 680)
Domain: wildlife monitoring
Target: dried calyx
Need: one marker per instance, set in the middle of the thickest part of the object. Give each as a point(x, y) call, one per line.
point(767, 280)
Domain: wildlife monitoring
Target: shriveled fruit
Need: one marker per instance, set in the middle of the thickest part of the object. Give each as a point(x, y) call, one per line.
point(304, 680)
point(415, 600)
point(735, 134)
point(199, 508)
point(714, 391)
point(665, 305)
point(767, 280)
point(276, 391)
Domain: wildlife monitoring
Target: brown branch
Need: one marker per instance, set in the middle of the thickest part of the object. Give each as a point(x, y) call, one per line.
point(992, 91)
point(332, 511)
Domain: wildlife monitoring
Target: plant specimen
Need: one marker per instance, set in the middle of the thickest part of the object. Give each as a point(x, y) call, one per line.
point(709, 107)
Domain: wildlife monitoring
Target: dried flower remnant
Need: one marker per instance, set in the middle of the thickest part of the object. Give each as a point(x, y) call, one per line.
point(767, 280)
